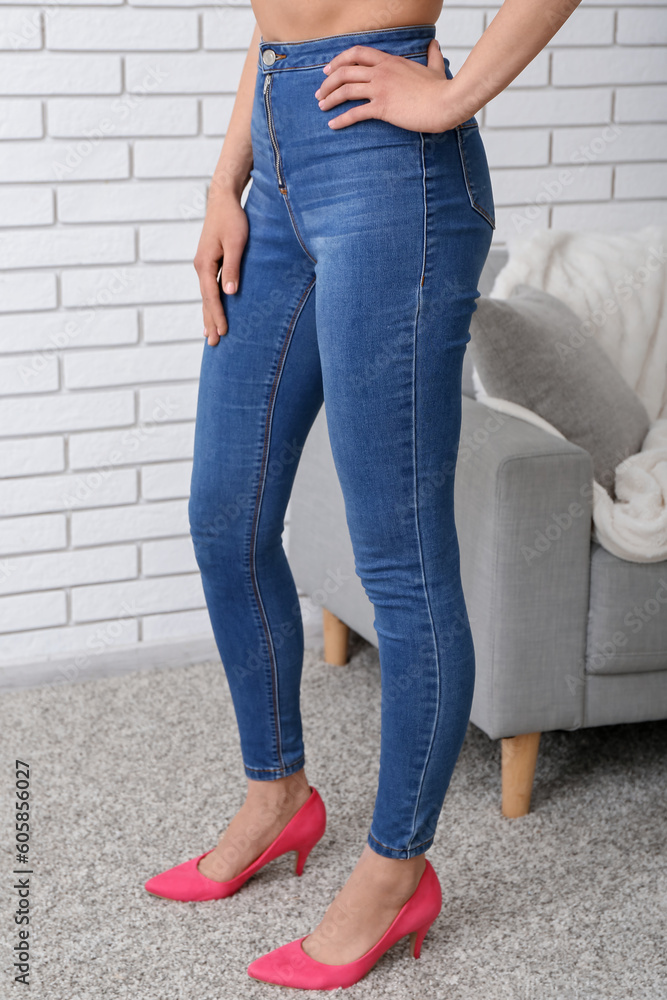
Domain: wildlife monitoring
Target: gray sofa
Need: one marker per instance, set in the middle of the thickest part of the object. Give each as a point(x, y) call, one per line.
point(566, 635)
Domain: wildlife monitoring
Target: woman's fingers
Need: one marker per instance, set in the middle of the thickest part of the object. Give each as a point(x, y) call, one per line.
point(343, 75)
point(361, 113)
point(362, 55)
point(215, 321)
point(218, 260)
point(348, 92)
point(231, 263)
point(210, 328)
point(434, 58)
point(395, 89)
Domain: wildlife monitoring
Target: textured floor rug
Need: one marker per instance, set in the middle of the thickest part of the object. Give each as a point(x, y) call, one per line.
point(134, 774)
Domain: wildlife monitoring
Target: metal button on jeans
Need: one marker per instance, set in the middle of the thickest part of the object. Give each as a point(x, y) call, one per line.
point(268, 57)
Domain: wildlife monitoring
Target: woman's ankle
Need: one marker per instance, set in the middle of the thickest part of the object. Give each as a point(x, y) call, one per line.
point(391, 874)
point(268, 807)
point(282, 795)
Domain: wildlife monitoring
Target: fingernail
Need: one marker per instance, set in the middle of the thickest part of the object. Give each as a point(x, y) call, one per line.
point(205, 334)
point(317, 93)
point(230, 287)
point(321, 103)
point(327, 68)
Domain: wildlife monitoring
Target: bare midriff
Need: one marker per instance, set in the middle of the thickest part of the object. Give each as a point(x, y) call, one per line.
point(298, 20)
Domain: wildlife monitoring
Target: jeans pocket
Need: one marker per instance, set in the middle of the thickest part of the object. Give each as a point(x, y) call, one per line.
point(476, 169)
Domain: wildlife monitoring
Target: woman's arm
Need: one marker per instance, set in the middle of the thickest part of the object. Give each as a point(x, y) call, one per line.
point(421, 98)
point(518, 32)
point(225, 231)
point(235, 163)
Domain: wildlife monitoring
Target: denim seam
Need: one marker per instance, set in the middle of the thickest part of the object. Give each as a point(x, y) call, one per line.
point(400, 849)
point(350, 34)
point(425, 231)
point(468, 179)
point(294, 225)
point(296, 69)
point(272, 770)
point(258, 503)
point(416, 489)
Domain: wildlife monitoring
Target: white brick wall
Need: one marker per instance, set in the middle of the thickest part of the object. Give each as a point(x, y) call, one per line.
point(111, 119)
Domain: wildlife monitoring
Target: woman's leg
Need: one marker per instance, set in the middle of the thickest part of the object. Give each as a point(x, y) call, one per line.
point(393, 219)
point(392, 350)
point(259, 392)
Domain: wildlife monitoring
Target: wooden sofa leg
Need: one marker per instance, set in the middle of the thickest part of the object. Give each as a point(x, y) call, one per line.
point(519, 756)
point(336, 636)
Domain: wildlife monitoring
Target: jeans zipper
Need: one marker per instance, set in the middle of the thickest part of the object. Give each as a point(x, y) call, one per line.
point(272, 133)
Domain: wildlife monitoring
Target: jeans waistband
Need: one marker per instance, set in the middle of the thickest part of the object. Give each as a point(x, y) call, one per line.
point(410, 40)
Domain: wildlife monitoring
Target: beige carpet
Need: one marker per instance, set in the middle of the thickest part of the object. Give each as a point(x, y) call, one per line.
point(138, 773)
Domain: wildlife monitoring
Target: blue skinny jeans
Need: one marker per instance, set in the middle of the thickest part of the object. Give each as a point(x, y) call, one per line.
point(357, 287)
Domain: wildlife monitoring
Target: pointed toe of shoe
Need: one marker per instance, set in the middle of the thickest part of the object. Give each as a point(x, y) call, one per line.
point(283, 966)
point(176, 883)
point(159, 885)
point(186, 884)
point(291, 966)
point(262, 968)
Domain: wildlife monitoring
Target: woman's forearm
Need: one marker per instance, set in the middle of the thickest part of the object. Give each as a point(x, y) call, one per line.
point(518, 32)
point(233, 168)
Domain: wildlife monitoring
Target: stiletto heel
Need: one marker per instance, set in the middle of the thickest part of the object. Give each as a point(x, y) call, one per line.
point(186, 883)
point(417, 939)
point(290, 965)
point(310, 833)
point(300, 859)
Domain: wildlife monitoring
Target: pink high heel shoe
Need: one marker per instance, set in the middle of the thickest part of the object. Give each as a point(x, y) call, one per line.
point(289, 965)
point(187, 884)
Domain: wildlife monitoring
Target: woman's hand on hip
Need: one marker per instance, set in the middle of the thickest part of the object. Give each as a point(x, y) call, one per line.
point(399, 90)
point(222, 242)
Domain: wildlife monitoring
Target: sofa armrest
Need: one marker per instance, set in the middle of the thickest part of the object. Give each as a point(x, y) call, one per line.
point(523, 516)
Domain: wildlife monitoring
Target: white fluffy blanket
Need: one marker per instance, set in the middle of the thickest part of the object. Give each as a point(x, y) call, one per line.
point(617, 284)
